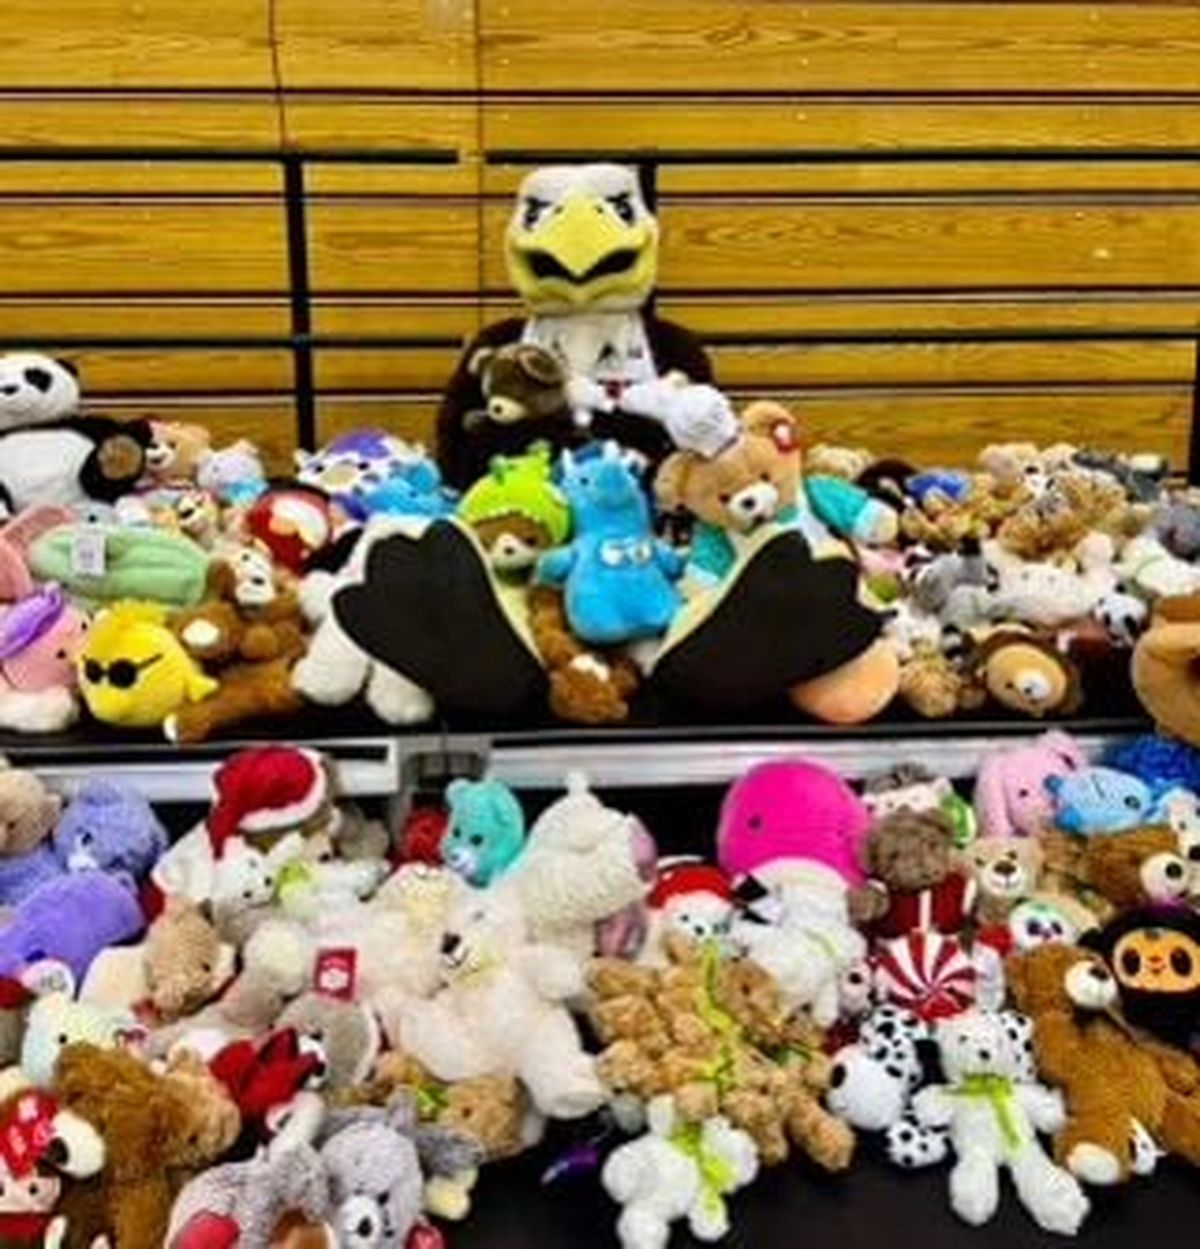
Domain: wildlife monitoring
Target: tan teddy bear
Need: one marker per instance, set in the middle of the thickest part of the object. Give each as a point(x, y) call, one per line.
point(176, 451)
point(716, 1035)
point(1005, 870)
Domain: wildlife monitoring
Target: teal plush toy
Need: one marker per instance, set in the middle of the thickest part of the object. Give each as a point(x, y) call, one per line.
point(486, 831)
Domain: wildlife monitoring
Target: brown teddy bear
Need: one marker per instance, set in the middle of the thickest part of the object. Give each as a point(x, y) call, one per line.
point(1113, 1082)
point(916, 882)
point(1025, 672)
point(586, 686)
point(176, 451)
point(937, 687)
point(155, 1136)
point(716, 1035)
point(1005, 870)
point(1142, 866)
point(28, 811)
point(943, 523)
point(1075, 503)
point(250, 648)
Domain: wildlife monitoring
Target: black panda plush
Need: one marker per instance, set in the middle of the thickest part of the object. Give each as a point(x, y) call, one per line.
point(36, 389)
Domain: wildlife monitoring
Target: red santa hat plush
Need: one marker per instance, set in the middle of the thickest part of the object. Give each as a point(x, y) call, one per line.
point(681, 878)
point(266, 791)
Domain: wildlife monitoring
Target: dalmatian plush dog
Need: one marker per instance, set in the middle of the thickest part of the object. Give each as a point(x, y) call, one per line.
point(993, 1113)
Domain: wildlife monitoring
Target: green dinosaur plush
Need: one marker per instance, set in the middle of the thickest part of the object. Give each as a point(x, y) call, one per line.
point(517, 510)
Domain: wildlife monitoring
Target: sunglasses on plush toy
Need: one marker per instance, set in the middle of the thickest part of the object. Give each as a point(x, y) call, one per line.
point(121, 674)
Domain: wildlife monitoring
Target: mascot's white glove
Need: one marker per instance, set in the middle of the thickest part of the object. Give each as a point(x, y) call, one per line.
point(586, 398)
point(698, 418)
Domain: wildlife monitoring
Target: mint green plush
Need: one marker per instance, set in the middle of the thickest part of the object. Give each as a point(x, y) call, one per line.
point(140, 563)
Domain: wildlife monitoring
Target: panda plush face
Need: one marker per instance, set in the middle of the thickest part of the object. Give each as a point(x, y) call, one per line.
point(582, 238)
point(36, 389)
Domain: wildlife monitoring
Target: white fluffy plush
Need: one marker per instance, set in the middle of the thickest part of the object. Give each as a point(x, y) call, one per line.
point(335, 669)
point(500, 1010)
point(993, 1117)
point(658, 1179)
point(809, 944)
point(581, 865)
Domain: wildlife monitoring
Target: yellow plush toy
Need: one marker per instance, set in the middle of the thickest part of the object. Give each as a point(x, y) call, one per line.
point(133, 671)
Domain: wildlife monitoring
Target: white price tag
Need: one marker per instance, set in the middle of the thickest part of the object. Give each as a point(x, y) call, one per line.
point(88, 552)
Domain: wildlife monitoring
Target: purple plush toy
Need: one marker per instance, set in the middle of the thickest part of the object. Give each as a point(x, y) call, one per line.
point(69, 919)
point(108, 827)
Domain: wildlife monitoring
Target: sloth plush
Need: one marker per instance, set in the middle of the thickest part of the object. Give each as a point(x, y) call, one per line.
point(1154, 953)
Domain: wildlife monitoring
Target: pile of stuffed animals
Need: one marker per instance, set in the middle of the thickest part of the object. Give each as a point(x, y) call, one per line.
point(290, 1026)
point(595, 518)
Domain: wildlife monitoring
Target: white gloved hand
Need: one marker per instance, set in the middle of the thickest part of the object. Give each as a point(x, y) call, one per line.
point(697, 417)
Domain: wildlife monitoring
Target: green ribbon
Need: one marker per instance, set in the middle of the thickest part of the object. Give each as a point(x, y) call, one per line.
point(723, 1024)
point(431, 1100)
point(717, 1176)
point(293, 875)
point(997, 1091)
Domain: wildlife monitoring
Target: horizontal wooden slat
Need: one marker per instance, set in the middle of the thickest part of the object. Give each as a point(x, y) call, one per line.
point(142, 245)
point(906, 244)
point(795, 45)
point(373, 44)
point(138, 43)
point(269, 423)
point(786, 124)
point(128, 119)
point(141, 177)
point(394, 245)
point(773, 315)
point(444, 318)
point(45, 319)
point(411, 417)
point(942, 427)
point(134, 372)
point(397, 369)
point(951, 363)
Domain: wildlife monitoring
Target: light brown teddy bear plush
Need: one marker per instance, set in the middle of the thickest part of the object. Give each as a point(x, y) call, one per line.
point(176, 451)
point(184, 960)
point(249, 648)
point(28, 811)
point(1005, 870)
point(155, 1137)
point(1118, 1087)
point(715, 1034)
point(1074, 504)
point(1142, 866)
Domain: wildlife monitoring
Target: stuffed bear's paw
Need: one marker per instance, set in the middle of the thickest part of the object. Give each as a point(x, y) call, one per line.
point(1061, 1205)
point(1093, 1164)
point(974, 1194)
point(913, 1146)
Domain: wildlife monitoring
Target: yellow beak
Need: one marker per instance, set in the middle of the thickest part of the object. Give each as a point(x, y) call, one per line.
point(582, 233)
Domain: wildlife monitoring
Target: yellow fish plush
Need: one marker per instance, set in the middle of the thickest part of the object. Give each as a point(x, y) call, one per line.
point(133, 670)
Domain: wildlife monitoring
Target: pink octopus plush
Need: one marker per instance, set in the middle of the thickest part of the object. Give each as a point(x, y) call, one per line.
point(1011, 797)
point(787, 811)
point(40, 636)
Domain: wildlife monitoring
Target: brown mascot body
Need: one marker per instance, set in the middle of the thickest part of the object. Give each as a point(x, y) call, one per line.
point(1113, 1082)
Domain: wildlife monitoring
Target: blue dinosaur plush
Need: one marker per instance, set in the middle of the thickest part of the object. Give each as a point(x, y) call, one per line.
point(486, 832)
point(617, 577)
point(1101, 800)
point(413, 489)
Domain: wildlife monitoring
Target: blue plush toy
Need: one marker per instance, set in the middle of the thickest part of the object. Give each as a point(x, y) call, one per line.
point(414, 489)
point(1101, 800)
point(486, 831)
point(617, 576)
point(109, 827)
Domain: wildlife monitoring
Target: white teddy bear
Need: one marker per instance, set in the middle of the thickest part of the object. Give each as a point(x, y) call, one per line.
point(807, 942)
point(676, 1172)
point(993, 1115)
point(500, 1010)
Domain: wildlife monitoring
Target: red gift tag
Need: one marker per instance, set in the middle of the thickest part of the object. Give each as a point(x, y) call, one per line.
point(27, 1131)
point(336, 974)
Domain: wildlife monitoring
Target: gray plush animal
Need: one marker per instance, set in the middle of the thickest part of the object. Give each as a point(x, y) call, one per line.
point(376, 1160)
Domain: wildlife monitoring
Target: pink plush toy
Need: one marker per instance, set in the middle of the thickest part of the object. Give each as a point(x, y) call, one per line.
point(791, 810)
point(1011, 798)
point(40, 637)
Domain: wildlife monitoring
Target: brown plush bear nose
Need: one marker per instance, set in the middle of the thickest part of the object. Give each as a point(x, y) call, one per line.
point(1098, 973)
point(1005, 868)
point(450, 942)
point(56, 1153)
point(837, 1077)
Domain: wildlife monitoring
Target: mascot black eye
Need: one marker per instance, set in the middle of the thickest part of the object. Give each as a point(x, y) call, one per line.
point(622, 205)
point(1131, 962)
point(1181, 962)
point(531, 212)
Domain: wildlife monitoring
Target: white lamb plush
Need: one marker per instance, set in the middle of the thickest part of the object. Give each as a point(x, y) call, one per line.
point(668, 1175)
point(993, 1116)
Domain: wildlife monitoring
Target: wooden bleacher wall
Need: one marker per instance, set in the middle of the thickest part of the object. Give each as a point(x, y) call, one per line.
point(858, 170)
